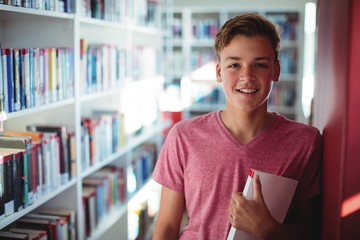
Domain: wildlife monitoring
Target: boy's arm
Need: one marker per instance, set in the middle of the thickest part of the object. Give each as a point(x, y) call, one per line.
point(252, 216)
point(168, 221)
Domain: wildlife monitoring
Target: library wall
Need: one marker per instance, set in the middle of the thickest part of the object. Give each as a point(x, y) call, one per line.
point(337, 116)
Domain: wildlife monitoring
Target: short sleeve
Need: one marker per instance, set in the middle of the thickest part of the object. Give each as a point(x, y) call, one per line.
point(169, 168)
point(311, 180)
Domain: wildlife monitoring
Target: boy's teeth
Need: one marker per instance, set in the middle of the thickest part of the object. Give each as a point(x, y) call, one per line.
point(247, 90)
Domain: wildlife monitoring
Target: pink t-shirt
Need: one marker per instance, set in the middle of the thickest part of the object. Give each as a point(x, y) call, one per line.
point(202, 160)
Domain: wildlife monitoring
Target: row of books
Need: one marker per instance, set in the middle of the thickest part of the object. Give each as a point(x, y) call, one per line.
point(282, 96)
point(34, 163)
point(32, 77)
point(202, 57)
point(50, 5)
point(288, 60)
point(43, 224)
point(102, 134)
point(177, 28)
point(287, 23)
point(102, 66)
point(205, 28)
point(141, 167)
point(141, 12)
point(102, 192)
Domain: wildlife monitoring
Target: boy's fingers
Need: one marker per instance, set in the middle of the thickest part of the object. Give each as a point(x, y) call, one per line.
point(257, 188)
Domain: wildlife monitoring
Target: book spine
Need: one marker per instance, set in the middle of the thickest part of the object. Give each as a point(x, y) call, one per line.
point(39, 170)
point(17, 79)
point(26, 77)
point(30, 96)
point(46, 83)
point(8, 169)
point(10, 82)
point(5, 84)
point(60, 79)
point(46, 166)
point(24, 177)
point(2, 93)
point(2, 189)
point(18, 184)
point(72, 154)
point(53, 81)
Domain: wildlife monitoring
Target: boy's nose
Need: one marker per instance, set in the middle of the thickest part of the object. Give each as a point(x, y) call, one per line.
point(246, 74)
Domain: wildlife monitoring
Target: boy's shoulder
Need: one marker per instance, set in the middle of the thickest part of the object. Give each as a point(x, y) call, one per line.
point(202, 121)
point(295, 127)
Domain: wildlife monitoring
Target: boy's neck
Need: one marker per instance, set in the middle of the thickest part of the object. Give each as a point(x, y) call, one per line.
point(245, 126)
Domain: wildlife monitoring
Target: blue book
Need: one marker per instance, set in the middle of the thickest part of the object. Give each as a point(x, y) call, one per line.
point(17, 79)
point(7, 53)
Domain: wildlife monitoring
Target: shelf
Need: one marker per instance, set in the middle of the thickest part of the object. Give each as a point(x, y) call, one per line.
point(21, 13)
point(13, 217)
point(101, 94)
point(148, 133)
point(42, 108)
point(108, 220)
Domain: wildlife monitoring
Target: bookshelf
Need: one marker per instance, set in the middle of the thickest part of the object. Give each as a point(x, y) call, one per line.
point(108, 70)
point(194, 30)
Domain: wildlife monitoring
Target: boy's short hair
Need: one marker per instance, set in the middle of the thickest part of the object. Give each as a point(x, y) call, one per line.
point(249, 24)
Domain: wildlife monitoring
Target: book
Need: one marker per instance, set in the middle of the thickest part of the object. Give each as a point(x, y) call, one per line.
point(65, 213)
point(61, 132)
point(33, 234)
point(17, 79)
point(277, 191)
point(38, 224)
point(71, 142)
point(2, 186)
point(25, 78)
point(60, 223)
point(14, 179)
point(7, 61)
point(35, 161)
point(23, 143)
point(6, 235)
point(89, 205)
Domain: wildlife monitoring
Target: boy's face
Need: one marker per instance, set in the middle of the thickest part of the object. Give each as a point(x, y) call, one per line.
point(247, 69)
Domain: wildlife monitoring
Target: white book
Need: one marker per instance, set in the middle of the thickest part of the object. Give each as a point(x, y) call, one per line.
point(277, 191)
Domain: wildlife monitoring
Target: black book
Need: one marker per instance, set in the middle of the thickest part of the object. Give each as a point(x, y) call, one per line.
point(24, 167)
point(12, 191)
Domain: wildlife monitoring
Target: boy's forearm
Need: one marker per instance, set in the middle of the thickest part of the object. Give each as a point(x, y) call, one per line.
point(165, 234)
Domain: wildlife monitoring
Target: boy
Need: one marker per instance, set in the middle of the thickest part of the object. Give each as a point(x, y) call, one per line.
point(204, 162)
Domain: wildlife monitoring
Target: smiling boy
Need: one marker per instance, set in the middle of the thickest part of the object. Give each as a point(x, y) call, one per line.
point(204, 161)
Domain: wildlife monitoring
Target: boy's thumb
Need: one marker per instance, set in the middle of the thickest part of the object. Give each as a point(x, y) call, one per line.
point(257, 188)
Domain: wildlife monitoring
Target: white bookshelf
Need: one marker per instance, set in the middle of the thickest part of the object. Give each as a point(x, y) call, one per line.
point(33, 28)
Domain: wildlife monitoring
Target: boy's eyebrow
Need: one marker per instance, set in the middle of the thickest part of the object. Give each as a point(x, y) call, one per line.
point(238, 58)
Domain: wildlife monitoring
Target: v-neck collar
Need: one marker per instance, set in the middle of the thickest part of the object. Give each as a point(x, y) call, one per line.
point(254, 140)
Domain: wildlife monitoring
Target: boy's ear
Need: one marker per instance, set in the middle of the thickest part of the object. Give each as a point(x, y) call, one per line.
point(218, 73)
point(277, 70)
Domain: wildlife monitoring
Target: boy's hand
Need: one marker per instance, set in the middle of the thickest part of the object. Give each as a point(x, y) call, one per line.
point(252, 215)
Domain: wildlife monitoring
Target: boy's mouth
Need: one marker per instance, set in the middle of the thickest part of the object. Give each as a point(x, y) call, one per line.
point(247, 90)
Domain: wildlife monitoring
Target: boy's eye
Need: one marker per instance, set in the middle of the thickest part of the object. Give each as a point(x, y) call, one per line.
point(261, 65)
point(235, 65)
